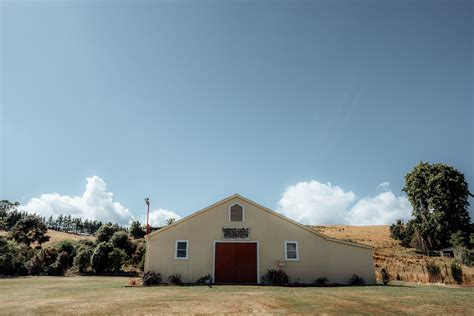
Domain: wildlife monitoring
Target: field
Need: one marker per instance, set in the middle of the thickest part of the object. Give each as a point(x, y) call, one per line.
point(405, 262)
point(107, 295)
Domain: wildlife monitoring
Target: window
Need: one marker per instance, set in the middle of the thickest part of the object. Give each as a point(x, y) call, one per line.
point(236, 213)
point(181, 249)
point(291, 251)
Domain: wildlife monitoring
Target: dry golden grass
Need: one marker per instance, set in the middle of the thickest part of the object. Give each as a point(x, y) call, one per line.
point(405, 262)
point(56, 236)
point(108, 295)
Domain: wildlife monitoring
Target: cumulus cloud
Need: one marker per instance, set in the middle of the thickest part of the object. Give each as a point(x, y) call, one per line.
point(383, 209)
point(319, 204)
point(96, 204)
point(158, 217)
point(315, 203)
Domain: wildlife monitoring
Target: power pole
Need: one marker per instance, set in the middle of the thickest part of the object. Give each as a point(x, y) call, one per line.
point(147, 201)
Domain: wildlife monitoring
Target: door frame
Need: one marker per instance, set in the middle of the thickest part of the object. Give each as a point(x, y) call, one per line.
point(235, 241)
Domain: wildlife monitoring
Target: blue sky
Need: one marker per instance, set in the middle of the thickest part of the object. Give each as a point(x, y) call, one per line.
point(188, 102)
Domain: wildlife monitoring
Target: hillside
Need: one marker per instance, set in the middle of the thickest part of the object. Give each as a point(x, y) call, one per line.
point(405, 262)
point(56, 236)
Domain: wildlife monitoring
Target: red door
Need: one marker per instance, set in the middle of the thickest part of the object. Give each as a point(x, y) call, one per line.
point(236, 262)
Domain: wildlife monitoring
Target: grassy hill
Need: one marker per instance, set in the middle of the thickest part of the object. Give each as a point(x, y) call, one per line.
point(55, 236)
point(405, 262)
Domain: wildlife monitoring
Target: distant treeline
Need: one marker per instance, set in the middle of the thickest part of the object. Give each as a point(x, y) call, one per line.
point(69, 224)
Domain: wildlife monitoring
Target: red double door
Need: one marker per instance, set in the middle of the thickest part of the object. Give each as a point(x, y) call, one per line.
point(235, 262)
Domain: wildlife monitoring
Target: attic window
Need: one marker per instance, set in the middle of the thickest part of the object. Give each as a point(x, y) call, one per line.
point(236, 213)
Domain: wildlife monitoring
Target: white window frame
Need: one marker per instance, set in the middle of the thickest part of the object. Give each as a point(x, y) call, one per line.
point(243, 213)
point(176, 250)
point(297, 250)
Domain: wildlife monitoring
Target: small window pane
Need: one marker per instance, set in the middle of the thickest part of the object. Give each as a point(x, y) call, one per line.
point(291, 246)
point(236, 213)
point(181, 254)
point(182, 245)
point(291, 254)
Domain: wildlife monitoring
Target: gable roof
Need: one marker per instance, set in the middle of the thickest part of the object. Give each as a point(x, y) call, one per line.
point(264, 209)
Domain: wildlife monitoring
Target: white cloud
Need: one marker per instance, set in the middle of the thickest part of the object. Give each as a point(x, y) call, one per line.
point(319, 204)
point(96, 204)
point(158, 217)
point(383, 209)
point(315, 203)
point(384, 186)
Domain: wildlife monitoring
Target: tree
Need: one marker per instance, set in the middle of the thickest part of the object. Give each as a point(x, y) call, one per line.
point(439, 196)
point(29, 230)
point(100, 257)
point(136, 230)
point(13, 257)
point(68, 247)
point(106, 232)
point(5, 213)
point(121, 240)
point(83, 260)
point(116, 259)
point(170, 221)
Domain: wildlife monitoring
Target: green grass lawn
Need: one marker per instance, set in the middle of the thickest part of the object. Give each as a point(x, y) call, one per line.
point(107, 295)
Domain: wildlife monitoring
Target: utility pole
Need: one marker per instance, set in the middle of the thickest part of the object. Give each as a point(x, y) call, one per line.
point(147, 201)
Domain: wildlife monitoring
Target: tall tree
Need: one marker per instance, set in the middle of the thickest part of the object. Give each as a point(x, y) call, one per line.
point(29, 230)
point(439, 195)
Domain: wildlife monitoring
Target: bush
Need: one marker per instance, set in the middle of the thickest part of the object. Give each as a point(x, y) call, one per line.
point(175, 279)
point(121, 240)
point(385, 276)
point(116, 258)
point(434, 271)
point(277, 277)
point(151, 278)
point(100, 257)
point(139, 253)
point(456, 271)
point(207, 279)
point(141, 265)
point(13, 257)
point(28, 230)
point(321, 281)
point(105, 232)
point(68, 247)
point(356, 280)
point(464, 255)
point(41, 261)
point(83, 260)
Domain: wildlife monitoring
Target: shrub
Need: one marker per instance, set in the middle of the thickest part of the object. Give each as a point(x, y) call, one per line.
point(175, 279)
point(434, 271)
point(321, 281)
point(83, 260)
point(68, 247)
point(356, 280)
point(121, 240)
point(464, 255)
point(139, 253)
point(151, 278)
point(116, 258)
point(141, 265)
point(456, 271)
point(105, 232)
point(207, 279)
point(13, 257)
point(100, 257)
point(277, 277)
point(385, 276)
point(40, 262)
